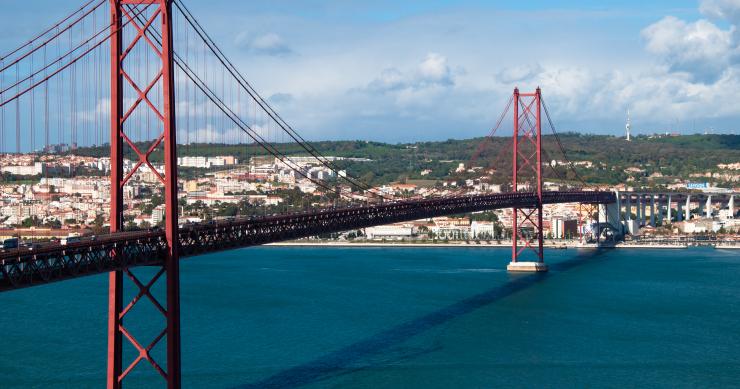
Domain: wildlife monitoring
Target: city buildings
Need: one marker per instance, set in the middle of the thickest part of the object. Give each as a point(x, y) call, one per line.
point(72, 192)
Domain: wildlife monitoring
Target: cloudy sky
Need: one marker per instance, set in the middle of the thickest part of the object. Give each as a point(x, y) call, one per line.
point(436, 69)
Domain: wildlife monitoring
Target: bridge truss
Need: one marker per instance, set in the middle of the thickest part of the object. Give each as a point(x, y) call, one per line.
point(23, 268)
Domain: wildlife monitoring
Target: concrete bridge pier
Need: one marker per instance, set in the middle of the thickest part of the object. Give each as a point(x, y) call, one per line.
point(731, 206)
point(688, 208)
point(708, 207)
point(679, 213)
point(643, 208)
point(652, 210)
point(669, 218)
point(610, 214)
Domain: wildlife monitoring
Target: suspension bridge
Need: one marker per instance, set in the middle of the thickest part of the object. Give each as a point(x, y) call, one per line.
point(139, 82)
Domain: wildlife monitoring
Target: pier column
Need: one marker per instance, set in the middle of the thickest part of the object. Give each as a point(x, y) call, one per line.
point(688, 208)
point(629, 207)
point(643, 208)
point(679, 214)
point(668, 211)
point(731, 206)
point(652, 210)
point(598, 224)
point(708, 207)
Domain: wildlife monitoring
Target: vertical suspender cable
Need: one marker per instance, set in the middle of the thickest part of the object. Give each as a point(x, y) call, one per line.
point(17, 116)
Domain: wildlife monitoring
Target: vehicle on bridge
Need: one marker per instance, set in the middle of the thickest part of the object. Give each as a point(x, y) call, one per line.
point(69, 239)
point(11, 243)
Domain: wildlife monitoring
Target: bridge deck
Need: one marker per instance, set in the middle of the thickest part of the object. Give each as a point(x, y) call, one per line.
point(54, 262)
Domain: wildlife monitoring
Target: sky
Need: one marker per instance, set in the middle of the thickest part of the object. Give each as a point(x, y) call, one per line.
point(437, 69)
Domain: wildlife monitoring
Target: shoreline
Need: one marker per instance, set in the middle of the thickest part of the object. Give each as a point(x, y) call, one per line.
point(561, 246)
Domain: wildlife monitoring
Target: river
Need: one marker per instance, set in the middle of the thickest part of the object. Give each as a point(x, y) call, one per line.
point(403, 317)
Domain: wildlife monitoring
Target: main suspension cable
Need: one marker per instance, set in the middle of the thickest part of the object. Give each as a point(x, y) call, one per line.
point(560, 145)
point(58, 70)
point(40, 35)
point(261, 101)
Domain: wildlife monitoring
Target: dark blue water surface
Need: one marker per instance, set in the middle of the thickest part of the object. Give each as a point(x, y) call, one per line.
point(403, 317)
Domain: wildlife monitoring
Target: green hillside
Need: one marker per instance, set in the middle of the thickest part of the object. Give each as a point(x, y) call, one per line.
point(670, 156)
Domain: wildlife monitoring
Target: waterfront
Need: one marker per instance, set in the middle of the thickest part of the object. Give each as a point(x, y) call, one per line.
point(407, 317)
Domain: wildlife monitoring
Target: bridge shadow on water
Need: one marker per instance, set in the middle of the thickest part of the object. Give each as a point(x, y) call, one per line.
point(347, 359)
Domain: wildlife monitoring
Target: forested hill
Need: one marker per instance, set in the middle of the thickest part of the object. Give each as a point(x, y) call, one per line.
point(670, 156)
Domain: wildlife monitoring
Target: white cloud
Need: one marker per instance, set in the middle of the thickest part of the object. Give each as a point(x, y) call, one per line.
point(402, 80)
point(265, 44)
point(518, 73)
point(211, 134)
point(721, 9)
point(700, 48)
point(399, 81)
point(435, 70)
point(102, 109)
point(389, 79)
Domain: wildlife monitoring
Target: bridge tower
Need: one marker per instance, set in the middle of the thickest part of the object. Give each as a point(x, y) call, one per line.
point(146, 23)
point(527, 176)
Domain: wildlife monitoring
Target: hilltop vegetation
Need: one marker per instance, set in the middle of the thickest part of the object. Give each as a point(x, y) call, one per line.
point(667, 156)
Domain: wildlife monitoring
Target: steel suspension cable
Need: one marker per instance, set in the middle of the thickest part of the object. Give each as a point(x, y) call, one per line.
point(244, 126)
point(259, 100)
point(56, 35)
point(58, 70)
point(501, 118)
point(56, 26)
point(547, 155)
point(560, 145)
point(208, 92)
point(236, 118)
point(59, 58)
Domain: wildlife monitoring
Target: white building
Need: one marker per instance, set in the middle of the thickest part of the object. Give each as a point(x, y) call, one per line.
point(726, 214)
point(451, 228)
point(206, 162)
point(560, 228)
point(25, 170)
point(391, 231)
point(157, 214)
point(482, 229)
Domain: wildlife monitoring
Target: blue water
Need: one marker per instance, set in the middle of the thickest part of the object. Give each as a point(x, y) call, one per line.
point(403, 317)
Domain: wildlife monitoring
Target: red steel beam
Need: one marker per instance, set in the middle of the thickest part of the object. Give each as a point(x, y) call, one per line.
point(515, 171)
point(172, 263)
point(115, 278)
point(523, 160)
point(166, 114)
point(539, 174)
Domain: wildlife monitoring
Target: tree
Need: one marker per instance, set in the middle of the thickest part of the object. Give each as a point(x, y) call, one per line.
point(99, 220)
point(498, 229)
point(32, 221)
point(54, 223)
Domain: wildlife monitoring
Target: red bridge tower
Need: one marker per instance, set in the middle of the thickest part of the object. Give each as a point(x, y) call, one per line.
point(135, 22)
point(527, 176)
